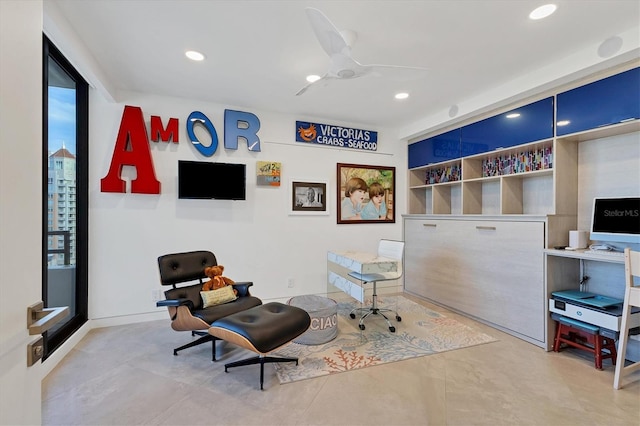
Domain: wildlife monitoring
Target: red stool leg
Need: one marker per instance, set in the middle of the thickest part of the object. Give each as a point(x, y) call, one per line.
point(613, 351)
point(610, 345)
point(598, 348)
point(556, 342)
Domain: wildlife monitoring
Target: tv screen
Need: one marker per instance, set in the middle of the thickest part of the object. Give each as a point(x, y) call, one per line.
point(616, 219)
point(205, 180)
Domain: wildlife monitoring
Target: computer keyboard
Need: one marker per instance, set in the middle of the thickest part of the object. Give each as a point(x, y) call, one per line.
point(609, 253)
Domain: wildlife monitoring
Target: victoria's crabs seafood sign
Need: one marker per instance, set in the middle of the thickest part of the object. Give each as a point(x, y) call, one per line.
point(345, 137)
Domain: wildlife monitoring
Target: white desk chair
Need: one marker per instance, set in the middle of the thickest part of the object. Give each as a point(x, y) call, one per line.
point(391, 250)
point(631, 299)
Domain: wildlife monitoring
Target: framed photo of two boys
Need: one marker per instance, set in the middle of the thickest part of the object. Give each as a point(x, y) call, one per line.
point(366, 193)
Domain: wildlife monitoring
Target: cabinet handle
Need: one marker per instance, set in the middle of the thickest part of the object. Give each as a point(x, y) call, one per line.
point(430, 225)
point(486, 228)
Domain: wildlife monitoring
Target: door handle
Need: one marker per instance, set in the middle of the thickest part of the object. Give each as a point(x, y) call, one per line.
point(41, 319)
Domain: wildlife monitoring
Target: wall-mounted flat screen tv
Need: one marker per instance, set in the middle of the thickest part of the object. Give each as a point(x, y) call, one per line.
point(206, 180)
point(616, 219)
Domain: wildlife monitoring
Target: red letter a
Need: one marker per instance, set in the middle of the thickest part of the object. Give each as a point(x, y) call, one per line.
point(132, 149)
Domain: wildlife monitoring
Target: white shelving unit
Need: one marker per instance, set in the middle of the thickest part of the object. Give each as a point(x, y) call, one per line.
point(477, 194)
point(546, 191)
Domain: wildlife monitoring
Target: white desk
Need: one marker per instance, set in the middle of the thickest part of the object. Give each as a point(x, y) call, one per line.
point(340, 263)
point(564, 272)
point(586, 254)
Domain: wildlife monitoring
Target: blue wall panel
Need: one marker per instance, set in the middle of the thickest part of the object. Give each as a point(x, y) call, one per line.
point(601, 103)
point(533, 122)
point(439, 148)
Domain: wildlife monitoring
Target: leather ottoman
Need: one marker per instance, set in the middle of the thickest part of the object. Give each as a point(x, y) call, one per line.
point(262, 329)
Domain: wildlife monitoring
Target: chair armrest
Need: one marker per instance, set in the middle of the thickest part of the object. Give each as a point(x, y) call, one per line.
point(175, 303)
point(243, 288)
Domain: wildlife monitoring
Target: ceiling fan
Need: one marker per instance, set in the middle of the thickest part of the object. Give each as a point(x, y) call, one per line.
point(337, 45)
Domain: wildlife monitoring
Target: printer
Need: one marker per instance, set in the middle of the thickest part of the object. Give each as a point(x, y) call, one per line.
point(603, 311)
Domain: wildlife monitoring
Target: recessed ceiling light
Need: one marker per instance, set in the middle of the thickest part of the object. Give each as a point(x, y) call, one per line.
point(313, 78)
point(513, 115)
point(563, 122)
point(543, 11)
point(193, 55)
point(402, 95)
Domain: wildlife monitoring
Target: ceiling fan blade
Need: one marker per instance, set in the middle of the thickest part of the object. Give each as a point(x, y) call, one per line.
point(303, 90)
point(327, 34)
point(324, 79)
point(397, 72)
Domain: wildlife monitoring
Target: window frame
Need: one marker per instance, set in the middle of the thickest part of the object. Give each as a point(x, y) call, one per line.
point(53, 340)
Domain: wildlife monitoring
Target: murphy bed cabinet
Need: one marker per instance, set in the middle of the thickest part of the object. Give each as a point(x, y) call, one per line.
point(486, 267)
point(479, 224)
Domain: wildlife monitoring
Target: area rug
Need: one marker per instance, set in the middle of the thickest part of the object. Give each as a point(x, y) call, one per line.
point(421, 332)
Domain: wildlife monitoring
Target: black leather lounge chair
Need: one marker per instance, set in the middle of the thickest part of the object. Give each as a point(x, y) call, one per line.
point(185, 303)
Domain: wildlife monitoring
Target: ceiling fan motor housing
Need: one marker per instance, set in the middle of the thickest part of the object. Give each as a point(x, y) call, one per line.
point(346, 73)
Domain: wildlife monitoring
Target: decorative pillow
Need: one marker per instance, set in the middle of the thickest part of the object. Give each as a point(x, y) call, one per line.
point(218, 297)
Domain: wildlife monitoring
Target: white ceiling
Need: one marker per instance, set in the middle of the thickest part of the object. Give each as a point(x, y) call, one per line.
point(258, 53)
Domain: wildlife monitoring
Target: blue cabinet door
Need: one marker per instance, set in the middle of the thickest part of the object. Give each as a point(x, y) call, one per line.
point(526, 124)
point(439, 148)
point(601, 103)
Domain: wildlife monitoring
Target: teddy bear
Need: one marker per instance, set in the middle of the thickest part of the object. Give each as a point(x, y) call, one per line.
point(217, 280)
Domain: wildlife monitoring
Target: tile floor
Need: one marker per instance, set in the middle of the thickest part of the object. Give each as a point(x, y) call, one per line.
point(127, 375)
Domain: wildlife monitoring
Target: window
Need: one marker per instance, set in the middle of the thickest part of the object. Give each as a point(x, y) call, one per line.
point(65, 193)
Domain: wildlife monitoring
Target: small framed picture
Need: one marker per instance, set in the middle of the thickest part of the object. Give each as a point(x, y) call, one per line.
point(268, 173)
point(308, 197)
point(366, 194)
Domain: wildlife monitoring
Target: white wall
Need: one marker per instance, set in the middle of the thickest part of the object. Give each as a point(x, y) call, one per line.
point(20, 205)
point(256, 240)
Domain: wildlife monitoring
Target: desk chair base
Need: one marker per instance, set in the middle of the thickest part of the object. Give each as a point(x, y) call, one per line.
point(262, 360)
point(373, 309)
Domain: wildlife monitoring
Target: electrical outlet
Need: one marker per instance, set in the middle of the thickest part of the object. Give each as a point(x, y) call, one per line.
point(291, 282)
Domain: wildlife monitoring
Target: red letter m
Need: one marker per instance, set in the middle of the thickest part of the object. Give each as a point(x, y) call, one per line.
point(160, 133)
point(132, 149)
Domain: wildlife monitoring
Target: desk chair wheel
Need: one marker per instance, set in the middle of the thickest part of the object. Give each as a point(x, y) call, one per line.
point(361, 326)
point(398, 318)
point(352, 315)
point(392, 329)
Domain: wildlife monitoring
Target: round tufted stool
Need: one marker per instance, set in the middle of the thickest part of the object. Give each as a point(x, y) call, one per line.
point(324, 319)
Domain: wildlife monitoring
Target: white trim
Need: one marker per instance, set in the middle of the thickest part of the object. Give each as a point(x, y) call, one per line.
point(63, 350)
point(129, 319)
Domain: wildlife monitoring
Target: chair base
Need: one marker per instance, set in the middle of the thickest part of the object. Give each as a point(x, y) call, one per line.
point(262, 360)
point(374, 310)
point(205, 337)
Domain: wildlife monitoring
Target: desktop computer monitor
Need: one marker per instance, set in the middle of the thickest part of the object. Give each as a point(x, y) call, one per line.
point(616, 219)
